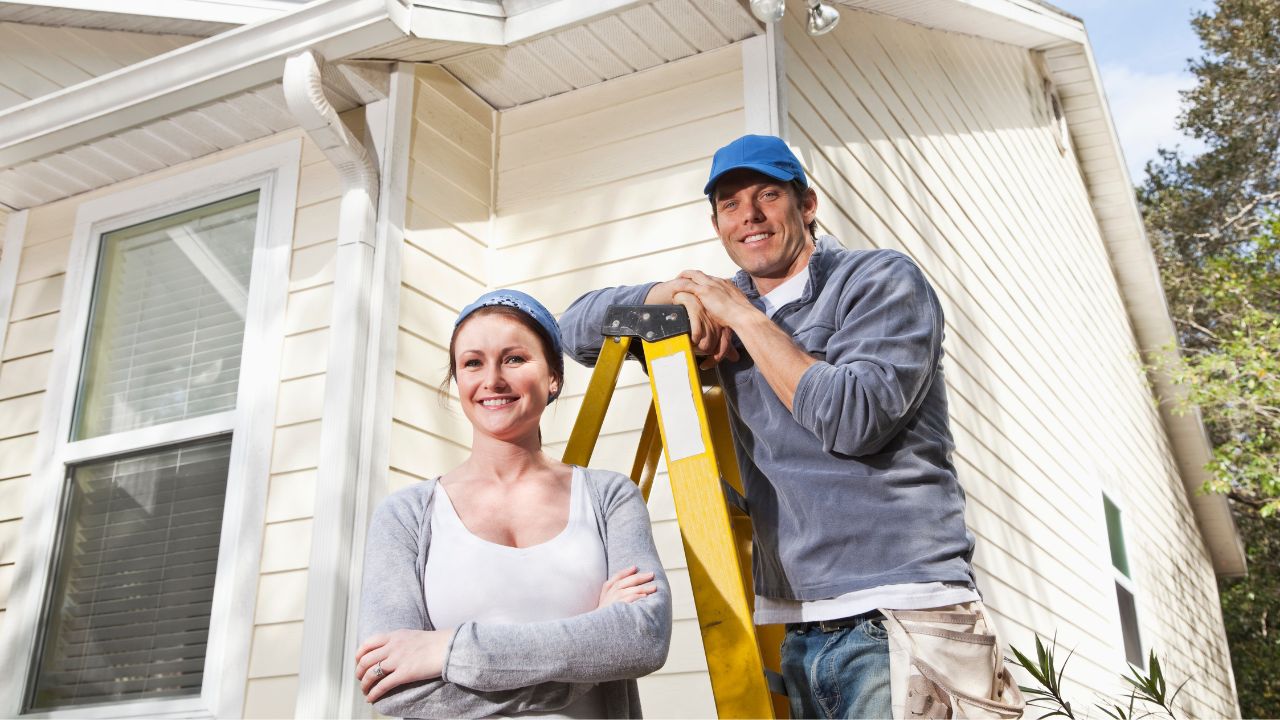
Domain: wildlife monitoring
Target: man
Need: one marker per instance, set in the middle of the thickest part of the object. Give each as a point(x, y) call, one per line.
point(839, 414)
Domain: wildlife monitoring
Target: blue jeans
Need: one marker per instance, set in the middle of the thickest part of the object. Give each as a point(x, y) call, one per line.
point(838, 674)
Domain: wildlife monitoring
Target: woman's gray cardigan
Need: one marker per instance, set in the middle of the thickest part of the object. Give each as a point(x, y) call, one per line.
point(507, 668)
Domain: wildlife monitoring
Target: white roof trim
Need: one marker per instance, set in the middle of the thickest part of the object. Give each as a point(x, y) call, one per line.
point(190, 76)
point(1024, 23)
point(441, 20)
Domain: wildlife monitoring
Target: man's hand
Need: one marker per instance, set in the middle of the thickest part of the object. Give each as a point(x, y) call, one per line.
point(710, 338)
point(404, 656)
point(777, 357)
point(723, 301)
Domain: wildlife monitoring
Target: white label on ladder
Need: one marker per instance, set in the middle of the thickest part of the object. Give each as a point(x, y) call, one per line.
point(680, 426)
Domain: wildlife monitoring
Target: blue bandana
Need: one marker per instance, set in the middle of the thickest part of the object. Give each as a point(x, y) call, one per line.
point(525, 304)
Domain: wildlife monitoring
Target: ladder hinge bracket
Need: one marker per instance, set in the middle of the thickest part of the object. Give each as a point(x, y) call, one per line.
point(647, 322)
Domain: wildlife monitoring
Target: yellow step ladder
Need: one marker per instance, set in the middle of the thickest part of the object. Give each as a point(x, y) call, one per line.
point(692, 425)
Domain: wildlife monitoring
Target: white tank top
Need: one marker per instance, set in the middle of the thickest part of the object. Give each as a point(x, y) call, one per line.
point(469, 579)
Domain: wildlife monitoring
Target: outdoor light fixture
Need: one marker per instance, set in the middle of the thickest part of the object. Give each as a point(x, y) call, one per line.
point(822, 17)
point(768, 11)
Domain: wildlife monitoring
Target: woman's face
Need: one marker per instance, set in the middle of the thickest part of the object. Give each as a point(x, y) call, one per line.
point(504, 379)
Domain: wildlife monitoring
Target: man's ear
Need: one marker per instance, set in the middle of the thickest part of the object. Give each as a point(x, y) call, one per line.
point(715, 222)
point(809, 205)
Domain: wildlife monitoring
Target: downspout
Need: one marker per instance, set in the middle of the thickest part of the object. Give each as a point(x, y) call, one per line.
point(341, 473)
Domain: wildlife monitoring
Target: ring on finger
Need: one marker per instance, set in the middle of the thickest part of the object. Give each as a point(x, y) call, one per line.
point(378, 672)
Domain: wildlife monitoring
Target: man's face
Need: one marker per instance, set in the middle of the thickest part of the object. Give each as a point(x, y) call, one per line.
point(762, 223)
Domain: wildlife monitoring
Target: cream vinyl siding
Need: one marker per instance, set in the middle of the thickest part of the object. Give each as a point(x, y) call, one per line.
point(16, 421)
point(594, 187)
point(600, 187)
point(28, 349)
point(275, 657)
point(942, 146)
point(24, 368)
point(447, 231)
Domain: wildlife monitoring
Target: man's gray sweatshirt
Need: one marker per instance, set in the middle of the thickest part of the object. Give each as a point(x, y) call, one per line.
point(854, 487)
point(494, 668)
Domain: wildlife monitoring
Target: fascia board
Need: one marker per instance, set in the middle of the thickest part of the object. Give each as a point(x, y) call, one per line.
point(193, 75)
point(434, 23)
point(1038, 25)
point(1138, 277)
point(1034, 15)
point(446, 21)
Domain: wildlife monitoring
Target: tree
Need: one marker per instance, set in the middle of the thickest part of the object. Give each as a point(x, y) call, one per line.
point(1214, 222)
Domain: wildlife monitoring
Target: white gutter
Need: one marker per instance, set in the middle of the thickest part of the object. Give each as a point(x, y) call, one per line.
point(343, 473)
point(193, 75)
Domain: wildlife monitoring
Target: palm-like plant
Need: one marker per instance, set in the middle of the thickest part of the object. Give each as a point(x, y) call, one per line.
point(1149, 688)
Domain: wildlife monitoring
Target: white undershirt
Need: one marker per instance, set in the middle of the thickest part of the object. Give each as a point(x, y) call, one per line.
point(789, 291)
point(470, 579)
point(903, 596)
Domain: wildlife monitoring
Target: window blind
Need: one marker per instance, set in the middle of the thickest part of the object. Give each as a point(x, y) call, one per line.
point(1129, 626)
point(167, 321)
point(129, 614)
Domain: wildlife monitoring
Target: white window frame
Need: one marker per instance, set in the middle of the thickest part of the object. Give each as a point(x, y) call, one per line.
point(273, 172)
point(1125, 581)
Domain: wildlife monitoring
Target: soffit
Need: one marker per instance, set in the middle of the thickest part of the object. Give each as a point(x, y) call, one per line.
point(36, 60)
point(224, 124)
point(213, 94)
point(615, 44)
point(98, 20)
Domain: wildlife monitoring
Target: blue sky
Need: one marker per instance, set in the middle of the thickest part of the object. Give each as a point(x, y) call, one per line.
point(1142, 48)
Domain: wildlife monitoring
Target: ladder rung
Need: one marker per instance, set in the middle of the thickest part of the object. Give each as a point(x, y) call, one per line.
point(735, 498)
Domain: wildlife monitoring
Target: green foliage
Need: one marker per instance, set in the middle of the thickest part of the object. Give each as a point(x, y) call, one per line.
point(1251, 613)
point(1149, 689)
point(1234, 378)
point(1046, 672)
point(1211, 204)
point(1212, 220)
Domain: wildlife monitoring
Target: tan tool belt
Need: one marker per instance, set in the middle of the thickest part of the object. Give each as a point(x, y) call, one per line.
point(947, 663)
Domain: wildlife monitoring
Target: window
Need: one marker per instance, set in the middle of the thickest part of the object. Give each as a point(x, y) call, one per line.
point(167, 319)
point(1125, 593)
point(162, 397)
point(129, 615)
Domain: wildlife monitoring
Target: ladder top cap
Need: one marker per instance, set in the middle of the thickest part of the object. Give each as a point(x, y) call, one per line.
point(647, 322)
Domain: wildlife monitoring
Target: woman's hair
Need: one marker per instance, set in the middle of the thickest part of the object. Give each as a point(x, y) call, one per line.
point(555, 361)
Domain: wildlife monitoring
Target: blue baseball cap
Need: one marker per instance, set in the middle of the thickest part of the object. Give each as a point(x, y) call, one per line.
point(766, 154)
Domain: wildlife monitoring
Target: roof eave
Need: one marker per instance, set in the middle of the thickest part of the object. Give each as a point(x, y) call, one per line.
point(192, 75)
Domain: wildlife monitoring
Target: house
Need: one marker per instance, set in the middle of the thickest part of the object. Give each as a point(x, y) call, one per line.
point(235, 235)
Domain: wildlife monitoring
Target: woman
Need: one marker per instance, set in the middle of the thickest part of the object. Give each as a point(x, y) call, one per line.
point(514, 584)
